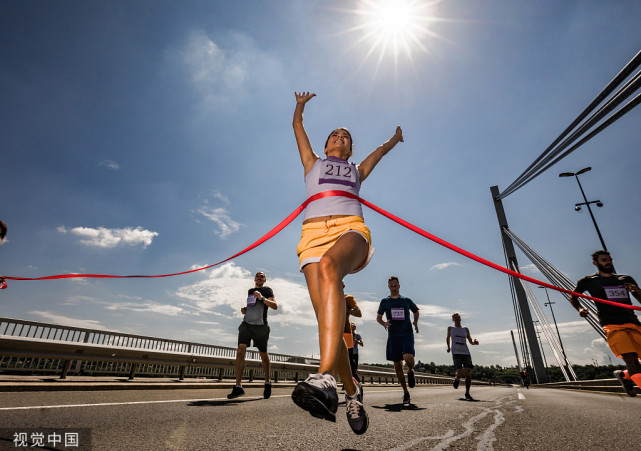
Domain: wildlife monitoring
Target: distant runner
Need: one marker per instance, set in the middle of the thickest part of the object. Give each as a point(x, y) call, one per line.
point(3, 233)
point(459, 336)
point(254, 327)
point(353, 354)
point(621, 325)
point(400, 339)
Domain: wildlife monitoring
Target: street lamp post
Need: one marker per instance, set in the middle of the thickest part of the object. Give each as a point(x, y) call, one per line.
point(587, 203)
point(555, 325)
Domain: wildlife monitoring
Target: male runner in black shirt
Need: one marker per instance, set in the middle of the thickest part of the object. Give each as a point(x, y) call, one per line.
point(621, 325)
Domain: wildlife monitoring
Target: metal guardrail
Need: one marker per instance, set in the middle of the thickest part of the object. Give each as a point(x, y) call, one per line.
point(597, 385)
point(41, 348)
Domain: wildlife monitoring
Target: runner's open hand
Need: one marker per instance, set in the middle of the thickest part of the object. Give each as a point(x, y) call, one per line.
point(303, 97)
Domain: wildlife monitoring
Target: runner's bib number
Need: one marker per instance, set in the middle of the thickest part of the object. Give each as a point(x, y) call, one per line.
point(337, 173)
point(398, 314)
point(251, 300)
point(616, 294)
point(459, 340)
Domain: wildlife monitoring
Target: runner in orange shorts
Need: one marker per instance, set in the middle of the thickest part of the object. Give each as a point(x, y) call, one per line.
point(334, 242)
point(621, 325)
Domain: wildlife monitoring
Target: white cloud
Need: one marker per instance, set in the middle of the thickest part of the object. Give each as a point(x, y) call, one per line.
point(530, 268)
point(434, 311)
point(148, 307)
point(574, 328)
point(598, 351)
point(218, 195)
point(80, 300)
point(110, 164)
point(226, 74)
point(227, 285)
point(108, 238)
point(441, 266)
point(218, 336)
point(133, 304)
point(67, 321)
point(220, 217)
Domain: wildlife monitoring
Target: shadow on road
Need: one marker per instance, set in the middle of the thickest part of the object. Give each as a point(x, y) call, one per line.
point(471, 400)
point(399, 407)
point(222, 403)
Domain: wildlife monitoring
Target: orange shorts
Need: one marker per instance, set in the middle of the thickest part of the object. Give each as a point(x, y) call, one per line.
point(623, 338)
point(349, 340)
point(318, 237)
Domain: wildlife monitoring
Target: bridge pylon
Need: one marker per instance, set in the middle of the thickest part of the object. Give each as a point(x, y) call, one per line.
point(540, 372)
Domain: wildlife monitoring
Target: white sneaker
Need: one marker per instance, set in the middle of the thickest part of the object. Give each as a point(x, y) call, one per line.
point(356, 415)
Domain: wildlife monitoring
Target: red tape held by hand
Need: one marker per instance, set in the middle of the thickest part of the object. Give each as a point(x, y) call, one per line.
point(285, 222)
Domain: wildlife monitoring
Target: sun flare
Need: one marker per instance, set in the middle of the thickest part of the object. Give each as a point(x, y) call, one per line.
point(393, 18)
point(392, 28)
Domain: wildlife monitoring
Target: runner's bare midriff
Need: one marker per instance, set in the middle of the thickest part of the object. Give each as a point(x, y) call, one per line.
point(323, 218)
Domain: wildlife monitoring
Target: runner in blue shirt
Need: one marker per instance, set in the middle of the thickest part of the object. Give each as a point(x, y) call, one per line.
point(400, 339)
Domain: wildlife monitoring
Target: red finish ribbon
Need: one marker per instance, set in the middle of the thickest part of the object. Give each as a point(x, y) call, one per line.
point(284, 223)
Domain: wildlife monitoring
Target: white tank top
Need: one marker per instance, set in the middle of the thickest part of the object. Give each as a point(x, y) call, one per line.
point(333, 174)
point(459, 340)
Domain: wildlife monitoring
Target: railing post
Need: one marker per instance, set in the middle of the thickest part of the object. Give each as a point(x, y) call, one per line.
point(183, 368)
point(65, 370)
point(132, 372)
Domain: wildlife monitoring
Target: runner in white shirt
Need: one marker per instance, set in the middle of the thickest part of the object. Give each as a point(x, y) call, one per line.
point(459, 337)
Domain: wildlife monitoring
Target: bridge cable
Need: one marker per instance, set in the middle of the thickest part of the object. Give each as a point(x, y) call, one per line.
point(526, 176)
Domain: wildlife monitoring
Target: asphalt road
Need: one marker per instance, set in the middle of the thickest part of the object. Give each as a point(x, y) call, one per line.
point(501, 418)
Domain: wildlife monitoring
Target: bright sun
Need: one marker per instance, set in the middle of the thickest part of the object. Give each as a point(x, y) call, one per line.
point(392, 18)
point(395, 26)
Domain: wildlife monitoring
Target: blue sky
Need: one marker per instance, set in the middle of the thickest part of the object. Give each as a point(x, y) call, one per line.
point(153, 137)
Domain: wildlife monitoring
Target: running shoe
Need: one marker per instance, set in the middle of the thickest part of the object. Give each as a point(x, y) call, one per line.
point(317, 395)
point(469, 397)
point(411, 380)
point(628, 386)
point(406, 398)
point(356, 415)
point(456, 382)
point(236, 392)
point(268, 391)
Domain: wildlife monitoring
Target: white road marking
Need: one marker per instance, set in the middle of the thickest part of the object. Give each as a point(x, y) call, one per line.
point(129, 403)
point(521, 396)
point(485, 438)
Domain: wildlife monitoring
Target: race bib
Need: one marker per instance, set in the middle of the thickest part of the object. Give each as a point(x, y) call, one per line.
point(398, 314)
point(616, 294)
point(251, 300)
point(336, 172)
point(459, 340)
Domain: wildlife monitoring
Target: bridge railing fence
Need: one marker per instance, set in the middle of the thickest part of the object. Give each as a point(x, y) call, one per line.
point(29, 347)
